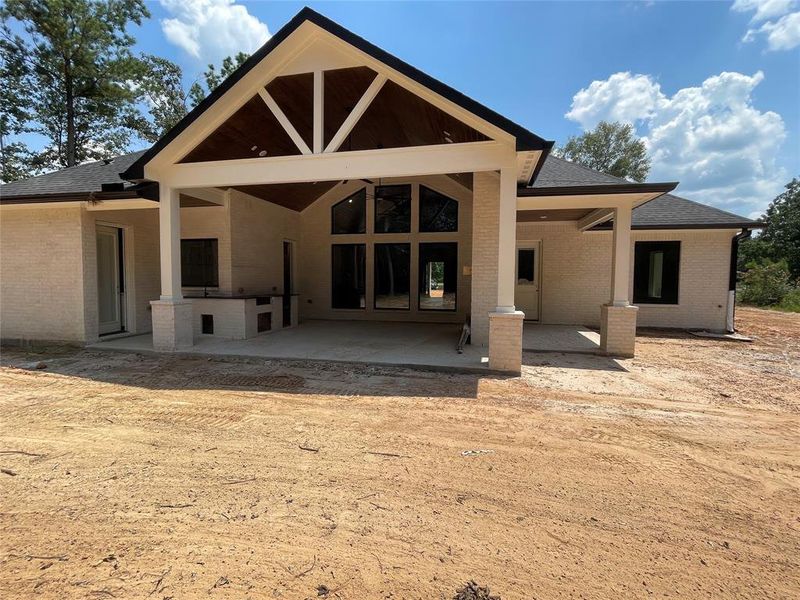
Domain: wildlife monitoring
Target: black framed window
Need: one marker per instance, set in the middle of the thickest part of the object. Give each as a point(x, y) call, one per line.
point(350, 215)
point(437, 212)
point(393, 276)
point(392, 209)
point(348, 277)
point(656, 271)
point(199, 263)
point(438, 276)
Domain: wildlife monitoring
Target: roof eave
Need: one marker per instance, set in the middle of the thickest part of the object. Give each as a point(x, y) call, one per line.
point(525, 140)
point(587, 190)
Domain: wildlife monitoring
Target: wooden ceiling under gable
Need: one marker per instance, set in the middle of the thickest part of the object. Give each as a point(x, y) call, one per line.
point(396, 118)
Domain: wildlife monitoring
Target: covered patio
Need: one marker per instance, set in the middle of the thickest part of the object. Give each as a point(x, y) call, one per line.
point(399, 344)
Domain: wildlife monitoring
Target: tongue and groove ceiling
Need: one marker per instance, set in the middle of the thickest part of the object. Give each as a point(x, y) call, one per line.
point(395, 118)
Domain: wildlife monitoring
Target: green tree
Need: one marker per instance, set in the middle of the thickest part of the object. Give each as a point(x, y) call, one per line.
point(764, 284)
point(611, 148)
point(14, 155)
point(161, 90)
point(213, 77)
point(79, 69)
point(782, 231)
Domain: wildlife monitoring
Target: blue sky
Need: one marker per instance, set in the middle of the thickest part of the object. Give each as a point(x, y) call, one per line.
point(713, 87)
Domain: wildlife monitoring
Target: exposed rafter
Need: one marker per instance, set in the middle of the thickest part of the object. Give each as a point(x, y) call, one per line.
point(319, 111)
point(284, 121)
point(595, 218)
point(358, 110)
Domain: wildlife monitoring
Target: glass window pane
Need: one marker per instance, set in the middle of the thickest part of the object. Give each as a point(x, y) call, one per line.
point(525, 266)
point(350, 215)
point(438, 276)
point(392, 209)
point(393, 276)
point(199, 266)
point(656, 272)
point(437, 212)
point(348, 275)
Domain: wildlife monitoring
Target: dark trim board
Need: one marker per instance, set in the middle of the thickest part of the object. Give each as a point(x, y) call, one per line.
point(525, 140)
point(588, 190)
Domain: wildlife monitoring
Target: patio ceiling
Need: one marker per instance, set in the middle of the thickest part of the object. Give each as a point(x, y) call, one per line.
point(396, 118)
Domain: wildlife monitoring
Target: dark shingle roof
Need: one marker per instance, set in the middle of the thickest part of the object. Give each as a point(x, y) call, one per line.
point(80, 179)
point(665, 212)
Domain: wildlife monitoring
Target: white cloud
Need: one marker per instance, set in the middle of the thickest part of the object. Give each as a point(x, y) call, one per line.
point(210, 30)
point(779, 22)
point(711, 138)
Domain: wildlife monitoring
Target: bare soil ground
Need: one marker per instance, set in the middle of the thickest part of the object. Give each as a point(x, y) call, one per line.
point(674, 474)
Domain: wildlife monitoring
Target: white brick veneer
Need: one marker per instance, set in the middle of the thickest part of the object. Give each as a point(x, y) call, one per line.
point(485, 232)
point(576, 275)
point(505, 342)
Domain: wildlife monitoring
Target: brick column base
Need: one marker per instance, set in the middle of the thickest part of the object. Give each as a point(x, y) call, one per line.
point(505, 341)
point(172, 325)
point(618, 330)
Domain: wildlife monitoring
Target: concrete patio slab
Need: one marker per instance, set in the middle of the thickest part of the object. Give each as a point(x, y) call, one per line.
point(560, 338)
point(370, 342)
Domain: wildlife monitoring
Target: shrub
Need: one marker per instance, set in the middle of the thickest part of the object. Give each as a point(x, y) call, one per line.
point(765, 283)
point(791, 301)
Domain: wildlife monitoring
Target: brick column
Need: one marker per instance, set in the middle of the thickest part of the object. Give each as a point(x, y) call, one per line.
point(485, 248)
point(172, 315)
point(618, 317)
point(505, 341)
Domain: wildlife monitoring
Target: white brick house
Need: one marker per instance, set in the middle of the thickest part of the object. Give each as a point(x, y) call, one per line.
point(326, 179)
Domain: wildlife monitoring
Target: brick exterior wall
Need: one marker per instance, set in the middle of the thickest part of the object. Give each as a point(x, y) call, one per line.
point(486, 197)
point(41, 274)
point(576, 275)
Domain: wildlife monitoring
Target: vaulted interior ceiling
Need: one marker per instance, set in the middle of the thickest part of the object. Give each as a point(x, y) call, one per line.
point(396, 118)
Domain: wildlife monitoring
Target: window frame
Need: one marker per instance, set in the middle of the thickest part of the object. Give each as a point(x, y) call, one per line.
point(419, 277)
point(364, 275)
point(363, 193)
point(375, 215)
point(671, 267)
point(375, 275)
point(419, 211)
point(215, 247)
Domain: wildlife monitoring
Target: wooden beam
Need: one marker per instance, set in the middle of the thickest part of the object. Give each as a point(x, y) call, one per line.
point(284, 121)
point(387, 162)
point(319, 111)
point(595, 217)
point(358, 110)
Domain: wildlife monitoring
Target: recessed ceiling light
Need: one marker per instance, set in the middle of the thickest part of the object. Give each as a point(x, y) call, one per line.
point(254, 148)
point(262, 153)
point(543, 217)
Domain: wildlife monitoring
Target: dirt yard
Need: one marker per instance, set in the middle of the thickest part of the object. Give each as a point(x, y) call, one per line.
point(674, 474)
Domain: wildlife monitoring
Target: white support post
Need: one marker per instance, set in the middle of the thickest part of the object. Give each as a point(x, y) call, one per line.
point(319, 111)
point(618, 317)
point(171, 314)
point(621, 260)
point(169, 222)
point(284, 121)
point(506, 323)
point(507, 241)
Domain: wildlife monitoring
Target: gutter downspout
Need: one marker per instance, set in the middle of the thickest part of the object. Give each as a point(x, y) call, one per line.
point(729, 321)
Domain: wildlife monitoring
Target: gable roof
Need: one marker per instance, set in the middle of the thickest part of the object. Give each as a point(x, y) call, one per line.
point(79, 181)
point(665, 212)
point(525, 140)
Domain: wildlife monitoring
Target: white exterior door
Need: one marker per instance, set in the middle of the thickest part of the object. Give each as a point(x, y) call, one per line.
point(109, 301)
point(526, 295)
